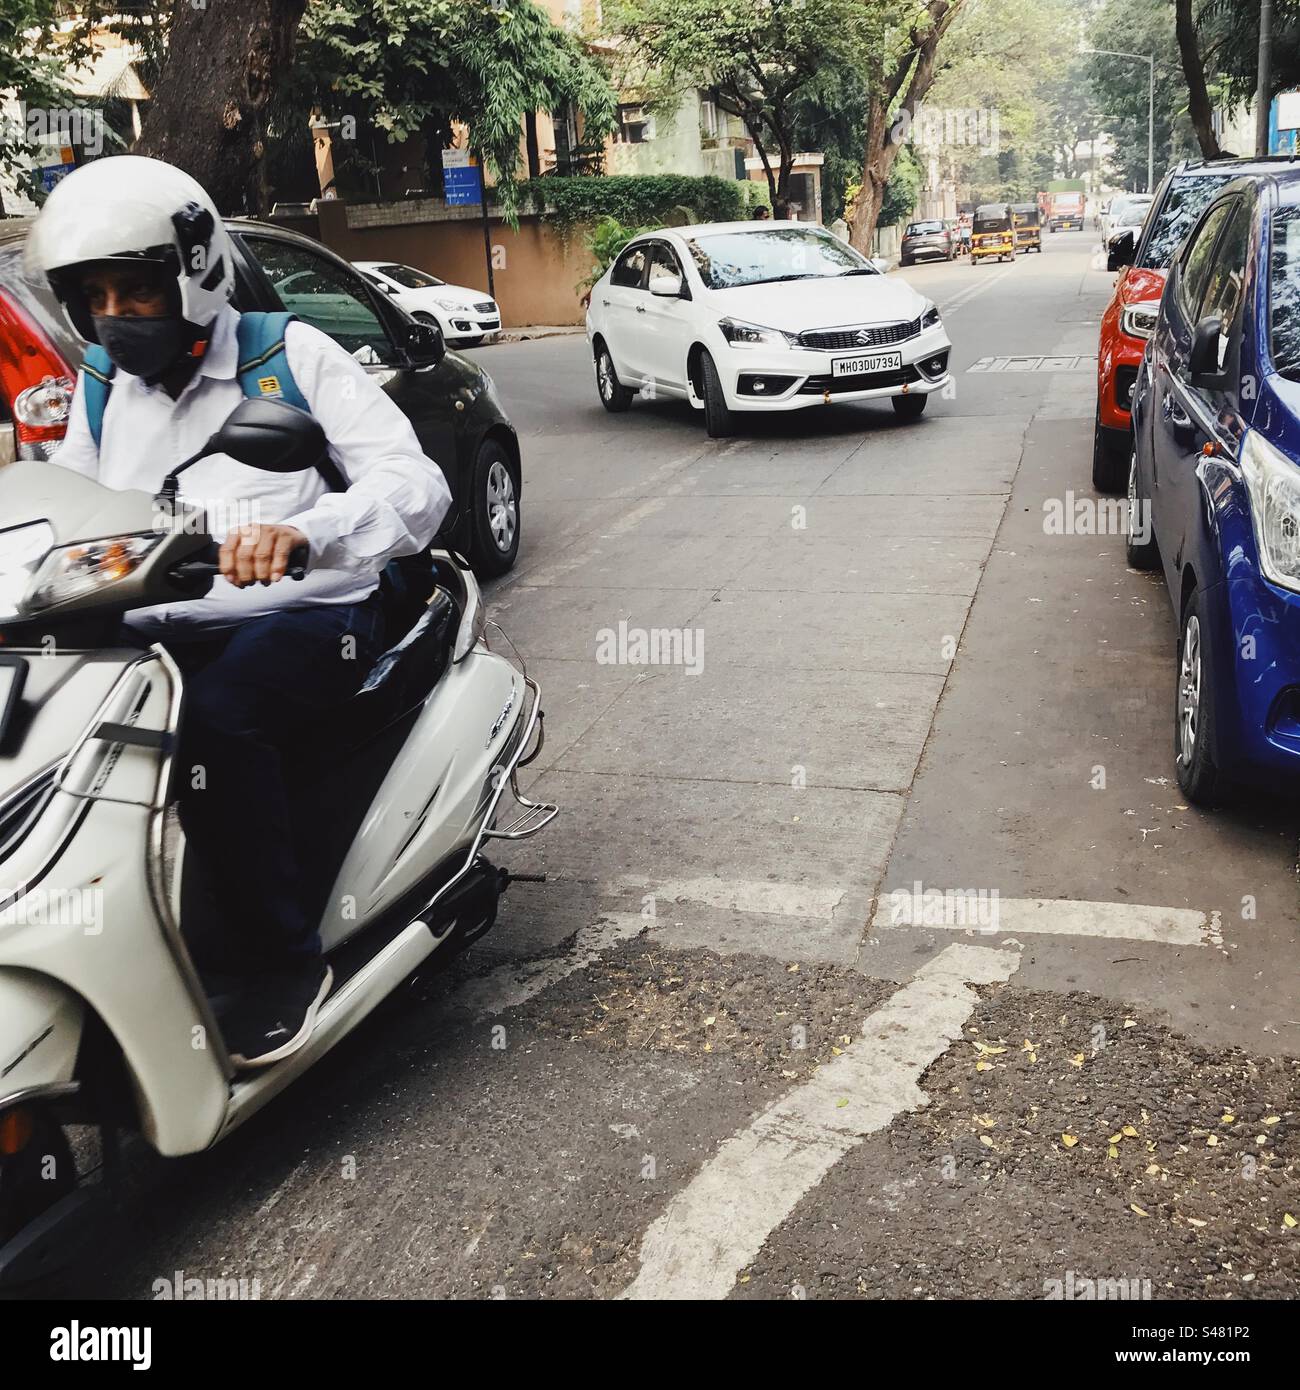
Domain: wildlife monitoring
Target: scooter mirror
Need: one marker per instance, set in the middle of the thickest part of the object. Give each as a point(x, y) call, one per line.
point(270, 435)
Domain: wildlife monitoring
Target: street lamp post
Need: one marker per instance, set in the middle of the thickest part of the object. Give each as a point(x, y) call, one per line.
point(1150, 61)
point(1262, 91)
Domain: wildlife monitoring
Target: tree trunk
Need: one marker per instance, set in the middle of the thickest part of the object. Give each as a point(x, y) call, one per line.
point(224, 63)
point(1198, 99)
point(916, 72)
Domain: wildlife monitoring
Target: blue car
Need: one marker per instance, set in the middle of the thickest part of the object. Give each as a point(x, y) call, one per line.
point(1214, 484)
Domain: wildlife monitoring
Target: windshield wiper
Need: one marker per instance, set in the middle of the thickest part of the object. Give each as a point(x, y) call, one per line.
point(858, 270)
point(776, 279)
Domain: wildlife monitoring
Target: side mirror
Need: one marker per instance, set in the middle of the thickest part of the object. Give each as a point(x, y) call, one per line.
point(270, 435)
point(667, 286)
point(1119, 251)
point(1203, 359)
point(262, 433)
point(423, 344)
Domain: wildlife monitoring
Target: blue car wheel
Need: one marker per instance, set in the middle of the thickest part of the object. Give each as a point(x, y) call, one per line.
point(1195, 708)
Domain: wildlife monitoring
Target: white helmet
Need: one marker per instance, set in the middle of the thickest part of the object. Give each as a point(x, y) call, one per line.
point(130, 208)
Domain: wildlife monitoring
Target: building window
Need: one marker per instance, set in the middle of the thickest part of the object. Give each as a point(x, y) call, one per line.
point(709, 120)
point(634, 125)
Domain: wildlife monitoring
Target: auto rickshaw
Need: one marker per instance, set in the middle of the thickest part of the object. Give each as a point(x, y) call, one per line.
point(1028, 227)
point(992, 233)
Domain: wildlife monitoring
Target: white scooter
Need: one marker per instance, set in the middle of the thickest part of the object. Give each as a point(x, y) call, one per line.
point(104, 1019)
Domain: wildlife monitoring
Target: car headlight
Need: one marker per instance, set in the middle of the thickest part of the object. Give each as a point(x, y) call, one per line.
point(741, 334)
point(451, 304)
point(77, 570)
point(1139, 320)
point(1273, 484)
point(930, 319)
point(22, 548)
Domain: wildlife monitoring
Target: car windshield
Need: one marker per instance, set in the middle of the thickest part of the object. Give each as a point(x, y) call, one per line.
point(921, 228)
point(727, 260)
point(1285, 292)
point(1188, 196)
point(410, 278)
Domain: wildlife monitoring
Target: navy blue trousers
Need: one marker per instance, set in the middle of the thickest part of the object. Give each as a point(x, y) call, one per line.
point(251, 695)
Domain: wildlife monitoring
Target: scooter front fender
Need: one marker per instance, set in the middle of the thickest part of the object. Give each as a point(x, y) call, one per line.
point(40, 1031)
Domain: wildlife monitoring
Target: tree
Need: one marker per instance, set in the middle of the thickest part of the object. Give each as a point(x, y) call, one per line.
point(413, 67)
point(1198, 96)
point(225, 62)
point(29, 71)
point(900, 70)
point(763, 61)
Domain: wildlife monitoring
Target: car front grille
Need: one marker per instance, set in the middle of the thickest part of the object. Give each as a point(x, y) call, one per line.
point(486, 307)
point(867, 381)
point(854, 337)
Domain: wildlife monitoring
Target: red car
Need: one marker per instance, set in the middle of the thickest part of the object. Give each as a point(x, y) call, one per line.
point(1142, 259)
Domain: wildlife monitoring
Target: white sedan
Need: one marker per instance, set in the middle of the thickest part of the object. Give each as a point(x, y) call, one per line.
point(760, 316)
point(465, 316)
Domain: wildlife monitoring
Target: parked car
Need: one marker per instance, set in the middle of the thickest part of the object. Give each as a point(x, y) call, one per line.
point(760, 316)
point(1112, 211)
point(1128, 219)
point(932, 240)
point(1142, 257)
point(1215, 474)
point(450, 401)
point(465, 316)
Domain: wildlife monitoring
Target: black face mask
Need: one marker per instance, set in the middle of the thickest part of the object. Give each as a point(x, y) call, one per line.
point(145, 347)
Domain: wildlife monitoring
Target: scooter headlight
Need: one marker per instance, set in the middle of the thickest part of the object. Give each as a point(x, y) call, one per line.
point(1273, 483)
point(22, 548)
point(76, 571)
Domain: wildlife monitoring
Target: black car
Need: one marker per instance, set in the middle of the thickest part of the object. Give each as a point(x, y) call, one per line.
point(450, 401)
point(930, 240)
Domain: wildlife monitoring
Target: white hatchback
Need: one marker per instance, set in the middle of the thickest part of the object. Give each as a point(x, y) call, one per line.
point(760, 316)
point(465, 316)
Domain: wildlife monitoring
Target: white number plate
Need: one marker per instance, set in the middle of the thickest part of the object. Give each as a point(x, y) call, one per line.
point(871, 362)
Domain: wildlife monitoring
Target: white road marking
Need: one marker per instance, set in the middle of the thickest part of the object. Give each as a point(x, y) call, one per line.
point(518, 981)
point(716, 1225)
point(743, 895)
point(969, 292)
point(1171, 926)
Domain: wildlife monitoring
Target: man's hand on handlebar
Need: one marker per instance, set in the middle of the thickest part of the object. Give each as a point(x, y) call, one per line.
point(257, 554)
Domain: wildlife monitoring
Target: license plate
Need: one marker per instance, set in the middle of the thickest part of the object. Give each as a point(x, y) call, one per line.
point(13, 672)
point(869, 362)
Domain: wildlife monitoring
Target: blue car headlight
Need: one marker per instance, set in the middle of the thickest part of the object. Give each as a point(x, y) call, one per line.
point(1273, 484)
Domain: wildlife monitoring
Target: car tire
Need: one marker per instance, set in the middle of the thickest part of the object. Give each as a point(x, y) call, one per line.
point(472, 342)
point(902, 264)
point(909, 407)
point(494, 513)
point(1195, 709)
point(1141, 555)
point(719, 418)
point(614, 396)
point(1109, 460)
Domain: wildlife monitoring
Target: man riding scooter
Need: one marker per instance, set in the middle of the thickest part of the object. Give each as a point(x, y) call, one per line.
point(138, 256)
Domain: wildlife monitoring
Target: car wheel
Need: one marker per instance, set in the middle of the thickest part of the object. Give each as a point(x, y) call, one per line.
point(1141, 554)
point(909, 407)
point(614, 396)
point(1109, 459)
point(1194, 709)
point(719, 418)
point(495, 518)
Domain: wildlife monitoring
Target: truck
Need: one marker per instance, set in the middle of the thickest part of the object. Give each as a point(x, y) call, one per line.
point(1065, 205)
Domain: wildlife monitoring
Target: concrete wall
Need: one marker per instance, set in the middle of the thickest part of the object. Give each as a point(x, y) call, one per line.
point(536, 269)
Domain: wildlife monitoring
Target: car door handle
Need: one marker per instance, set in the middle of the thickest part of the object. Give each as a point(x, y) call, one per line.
point(640, 308)
point(605, 302)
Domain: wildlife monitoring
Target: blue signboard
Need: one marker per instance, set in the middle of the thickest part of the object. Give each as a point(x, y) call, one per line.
point(464, 185)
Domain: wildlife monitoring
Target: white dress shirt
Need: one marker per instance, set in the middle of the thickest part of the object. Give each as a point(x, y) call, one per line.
point(395, 502)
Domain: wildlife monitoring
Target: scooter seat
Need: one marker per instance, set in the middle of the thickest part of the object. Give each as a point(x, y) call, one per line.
point(400, 679)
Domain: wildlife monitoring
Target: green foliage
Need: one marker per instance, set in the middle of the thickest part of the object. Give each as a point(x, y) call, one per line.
point(761, 60)
point(633, 200)
point(408, 67)
point(29, 71)
point(902, 189)
point(1228, 36)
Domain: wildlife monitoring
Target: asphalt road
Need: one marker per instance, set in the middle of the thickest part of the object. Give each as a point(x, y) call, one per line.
point(712, 1056)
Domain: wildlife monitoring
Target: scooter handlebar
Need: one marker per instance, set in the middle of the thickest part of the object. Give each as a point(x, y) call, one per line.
point(204, 565)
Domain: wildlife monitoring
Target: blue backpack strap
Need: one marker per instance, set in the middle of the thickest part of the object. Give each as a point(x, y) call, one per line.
point(263, 363)
point(96, 382)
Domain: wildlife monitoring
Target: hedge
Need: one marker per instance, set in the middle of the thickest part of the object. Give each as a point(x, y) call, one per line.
point(635, 200)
